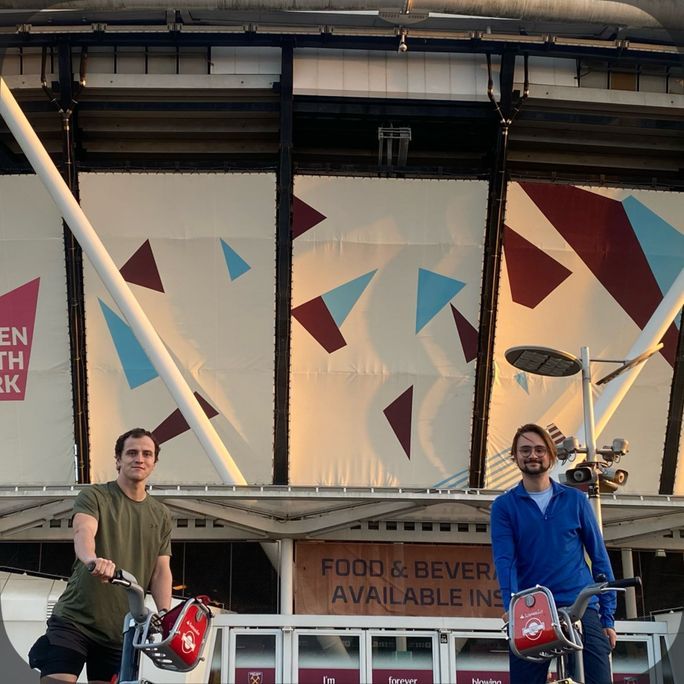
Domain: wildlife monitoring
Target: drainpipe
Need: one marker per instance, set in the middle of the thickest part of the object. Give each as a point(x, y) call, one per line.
point(283, 304)
point(498, 188)
point(66, 104)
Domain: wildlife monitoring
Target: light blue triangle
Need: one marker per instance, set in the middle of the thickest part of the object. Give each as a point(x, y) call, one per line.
point(663, 245)
point(434, 293)
point(341, 300)
point(135, 362)
point(237, 266)
point(521, 379)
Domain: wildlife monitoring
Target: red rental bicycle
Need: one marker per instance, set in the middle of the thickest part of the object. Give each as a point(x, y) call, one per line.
point(173, 641)
point(539, 631)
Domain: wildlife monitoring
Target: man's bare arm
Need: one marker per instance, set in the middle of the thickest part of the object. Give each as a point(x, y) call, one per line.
point(160, 584)
point(85, 529)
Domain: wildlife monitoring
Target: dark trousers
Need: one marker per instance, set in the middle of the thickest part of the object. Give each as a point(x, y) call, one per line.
point(596, 657)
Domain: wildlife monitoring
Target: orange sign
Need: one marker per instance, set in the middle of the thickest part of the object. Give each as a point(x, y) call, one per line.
point(395, 579)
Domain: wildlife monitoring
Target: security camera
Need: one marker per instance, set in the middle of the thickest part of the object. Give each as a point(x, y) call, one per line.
point(615, 475)
point(620, 446)
point(570, 445)
point(402, 41)
point(607, 487)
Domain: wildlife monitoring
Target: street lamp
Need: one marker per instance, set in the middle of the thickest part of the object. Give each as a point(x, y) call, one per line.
point(556, 363)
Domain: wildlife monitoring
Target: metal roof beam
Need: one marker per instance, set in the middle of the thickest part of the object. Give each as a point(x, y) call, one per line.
point(32, 517)
point(645, 526)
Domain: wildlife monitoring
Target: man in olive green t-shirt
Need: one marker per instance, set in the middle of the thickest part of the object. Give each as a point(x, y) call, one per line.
point(116, 525)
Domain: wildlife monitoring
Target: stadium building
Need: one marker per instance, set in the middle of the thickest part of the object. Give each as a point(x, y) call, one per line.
point(334, 254)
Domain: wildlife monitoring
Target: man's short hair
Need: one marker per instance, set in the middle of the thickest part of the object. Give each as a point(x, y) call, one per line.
point(538, 430)
point(136, 433)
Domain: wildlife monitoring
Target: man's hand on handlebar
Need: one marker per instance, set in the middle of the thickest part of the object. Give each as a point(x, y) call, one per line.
point(156, 626)
point(102, 568)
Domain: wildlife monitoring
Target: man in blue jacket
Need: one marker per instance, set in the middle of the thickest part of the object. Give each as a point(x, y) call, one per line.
point(541, 531)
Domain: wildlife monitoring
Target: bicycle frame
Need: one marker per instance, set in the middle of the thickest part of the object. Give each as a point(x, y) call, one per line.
point(137, 620)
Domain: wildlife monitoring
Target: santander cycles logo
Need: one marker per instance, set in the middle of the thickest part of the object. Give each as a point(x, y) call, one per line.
point(533, 629)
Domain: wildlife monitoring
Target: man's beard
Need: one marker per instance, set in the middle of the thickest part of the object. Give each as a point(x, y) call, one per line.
point(536, 471)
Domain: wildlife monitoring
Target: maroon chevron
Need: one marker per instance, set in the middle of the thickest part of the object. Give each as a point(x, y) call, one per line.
point(532, 273)
point(598, 229)
point(176, 424)
point(141, 269)
point(398, 414)
point(316, 318)
point(304, 217)
point(467, 333)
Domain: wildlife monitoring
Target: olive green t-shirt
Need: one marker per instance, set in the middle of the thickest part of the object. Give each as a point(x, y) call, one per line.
point(133, 534)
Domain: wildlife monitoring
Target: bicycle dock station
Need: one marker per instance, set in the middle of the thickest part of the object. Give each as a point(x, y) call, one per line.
point(309, 649)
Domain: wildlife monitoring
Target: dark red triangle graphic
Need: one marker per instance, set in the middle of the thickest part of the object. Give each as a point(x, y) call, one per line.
point(141, 269)
point(598, 229)
point(176, 424)
point(467, 333)
point(398, 414)
point(304, 217)
point(316, 318)
point(532, 273)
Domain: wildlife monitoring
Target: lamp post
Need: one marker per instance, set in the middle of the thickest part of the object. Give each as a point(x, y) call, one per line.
point(555, 363)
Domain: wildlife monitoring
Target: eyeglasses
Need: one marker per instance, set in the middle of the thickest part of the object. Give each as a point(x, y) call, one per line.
point(538, 449)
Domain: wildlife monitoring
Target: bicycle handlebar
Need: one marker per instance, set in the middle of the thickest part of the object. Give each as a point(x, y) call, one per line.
point(577, 609)
point(624, 583)
point(136, 594)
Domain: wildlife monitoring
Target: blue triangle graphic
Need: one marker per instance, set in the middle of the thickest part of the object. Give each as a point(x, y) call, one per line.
point(136, 365)
point(521, 379)
point(663, 245)
point(434, 293)
point(237, 266)
point(341, 300)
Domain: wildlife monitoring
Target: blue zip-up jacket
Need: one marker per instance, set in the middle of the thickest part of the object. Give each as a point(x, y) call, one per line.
point(531, 547)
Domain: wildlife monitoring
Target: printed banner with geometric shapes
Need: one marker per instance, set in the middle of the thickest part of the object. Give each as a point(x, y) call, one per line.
point(203, 271)
point(36, 405)
point(17, 319)
point(323, 316)
point(585, 267)
point(386, 298)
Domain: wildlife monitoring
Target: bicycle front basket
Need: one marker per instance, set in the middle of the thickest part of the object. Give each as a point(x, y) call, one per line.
point(184, 630)
point(535, 630)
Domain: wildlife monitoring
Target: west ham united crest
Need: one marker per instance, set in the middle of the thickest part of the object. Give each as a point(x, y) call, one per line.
point(255, 678)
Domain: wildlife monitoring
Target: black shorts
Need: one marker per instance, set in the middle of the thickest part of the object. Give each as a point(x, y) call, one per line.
point(63, 649)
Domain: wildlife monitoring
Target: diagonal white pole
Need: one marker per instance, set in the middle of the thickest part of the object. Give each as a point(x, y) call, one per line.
point(653, 332)
point(117, 287)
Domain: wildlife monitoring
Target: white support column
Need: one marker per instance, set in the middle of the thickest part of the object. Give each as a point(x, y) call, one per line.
point(630, 594)
point(117, 287)
point(653, 332)
point(286, 576)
